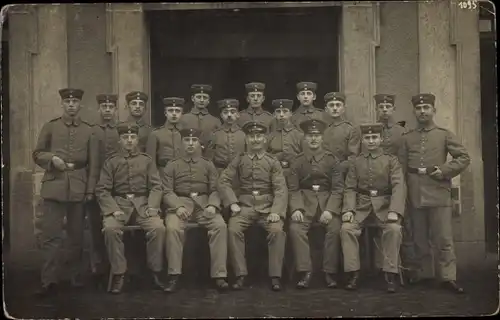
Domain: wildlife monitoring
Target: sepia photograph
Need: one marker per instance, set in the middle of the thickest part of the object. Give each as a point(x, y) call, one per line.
point(221, 160)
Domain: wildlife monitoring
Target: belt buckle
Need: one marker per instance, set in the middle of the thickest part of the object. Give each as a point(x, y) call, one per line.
point(284, 164)
point(193, 194)
point(130, 196)
point(315, 187)
point(70, 165)
point(373, 193)
point(255, 193)
point(422, 170)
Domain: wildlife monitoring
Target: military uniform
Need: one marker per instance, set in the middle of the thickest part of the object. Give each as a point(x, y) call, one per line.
point(305, 113)
point(201, 118)
point(144, 128)
point(63, 192)
point(422, 150)
point(130, 183)
point(263, 191)
point(165, 143)
point(341, 137)
point(285, 142)
point(315, 185)
point(255, 114)
point(190, 182)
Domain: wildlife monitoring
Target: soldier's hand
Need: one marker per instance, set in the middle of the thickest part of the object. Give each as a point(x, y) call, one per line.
point(89, 197)
point(209, 212)
point(151, 212)
point(297, 216)
point(118, 214)
point(348, 216)
point(182, 213)
point(235, 209)
point(58, 163)
point(392, 216)
point(325, 217)
point(437, 173)
point(273, 217)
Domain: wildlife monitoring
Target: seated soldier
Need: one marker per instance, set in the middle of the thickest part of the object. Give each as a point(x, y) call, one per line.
point(262, 199)
point(374, 190)
point(315, 185)
point(129, 190)
point(189, 184)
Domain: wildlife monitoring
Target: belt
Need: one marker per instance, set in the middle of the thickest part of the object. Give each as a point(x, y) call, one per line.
point(422, 171)
point(374, 192)
point(131, 195)
point(190, 194)
point(256, 193)
point(315, 187)
point(70, 166)
point(285, 164)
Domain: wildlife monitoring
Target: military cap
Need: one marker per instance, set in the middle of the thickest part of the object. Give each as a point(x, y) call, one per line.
point(228, 103)
point(106, 98)
point(313, 126)
point(201, 88)
point(334, 96)
point(136, 95)
point(173, 102)
point(282, 103)
point(255, 86)
point(371, 128)
point(127, 127)
point(307, 86)
point(254, 127)
point(190, 132)
point(423, 98)
point(71, 93)
point(384, 98)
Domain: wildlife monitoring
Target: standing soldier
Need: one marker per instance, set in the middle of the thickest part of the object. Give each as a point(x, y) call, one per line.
point(424, 157)
point(227, 141)
point(341, 137)
point(136, 104)
point(165, 143)
point(306, 94)
point(129, 190)
point(255, 112)
point(190, 193)
point(262, 199)
point(392, 134)
point(316, 186)
point(67, 150)
point(374, 193)
point(108, 144)
point(285, 141)
point(199, 117)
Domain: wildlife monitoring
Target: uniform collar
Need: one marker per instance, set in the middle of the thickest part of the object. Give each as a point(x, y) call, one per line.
point(304, 109)
point(337, 122)
point(124, 153)
point(389, 124)
point(374, 154)
point(233, 128)
point(103, 124)
point(191, 159)
point(257, 111)
point(171, 126)
point(196, 110)
point(141, 122)
point(314, 156)
point(287, 127)
point(431, 126)
point(71, 121)
point(259, 155)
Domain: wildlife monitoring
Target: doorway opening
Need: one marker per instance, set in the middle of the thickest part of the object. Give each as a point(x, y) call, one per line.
point(228, 48)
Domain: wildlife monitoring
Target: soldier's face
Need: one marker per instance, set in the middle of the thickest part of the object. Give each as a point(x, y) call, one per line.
point(255, 99)
point(230, 115)
point(137, 108)
point(424, 112)
point(200, 100)
point(371, 141)
point(71, 106)
point(282, 114)
point(107, 110)
point(385, 110)
point(191, 144)
point(256, 141)
point(335, 108)
point(313, 140)
point(129, 141)
point(173, 114)
point(306, 97)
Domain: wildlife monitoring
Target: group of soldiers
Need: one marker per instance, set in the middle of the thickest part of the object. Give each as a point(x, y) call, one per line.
point(284, 171)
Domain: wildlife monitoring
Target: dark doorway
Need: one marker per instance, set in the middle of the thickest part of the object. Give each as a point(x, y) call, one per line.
point(228, 48)
point(489, 126)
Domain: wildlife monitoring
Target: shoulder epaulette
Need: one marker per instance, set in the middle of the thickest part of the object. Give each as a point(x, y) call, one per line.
point(160, 127)
point(270, 156)
point(87, 123)
point(55, 119)
point(441, 128)
point(145, 154)
point(408, 131)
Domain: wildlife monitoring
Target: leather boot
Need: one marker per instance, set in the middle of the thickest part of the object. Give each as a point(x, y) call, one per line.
point(47, 290)
point(275, 284)
point(239, 283)
point(117, 285)
point(390, 280)
point(330, 280)
point(221, 284)
point(453, 287)
point(352, 283)
point(305, 280)
point(172, 283)
point(158, 284)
